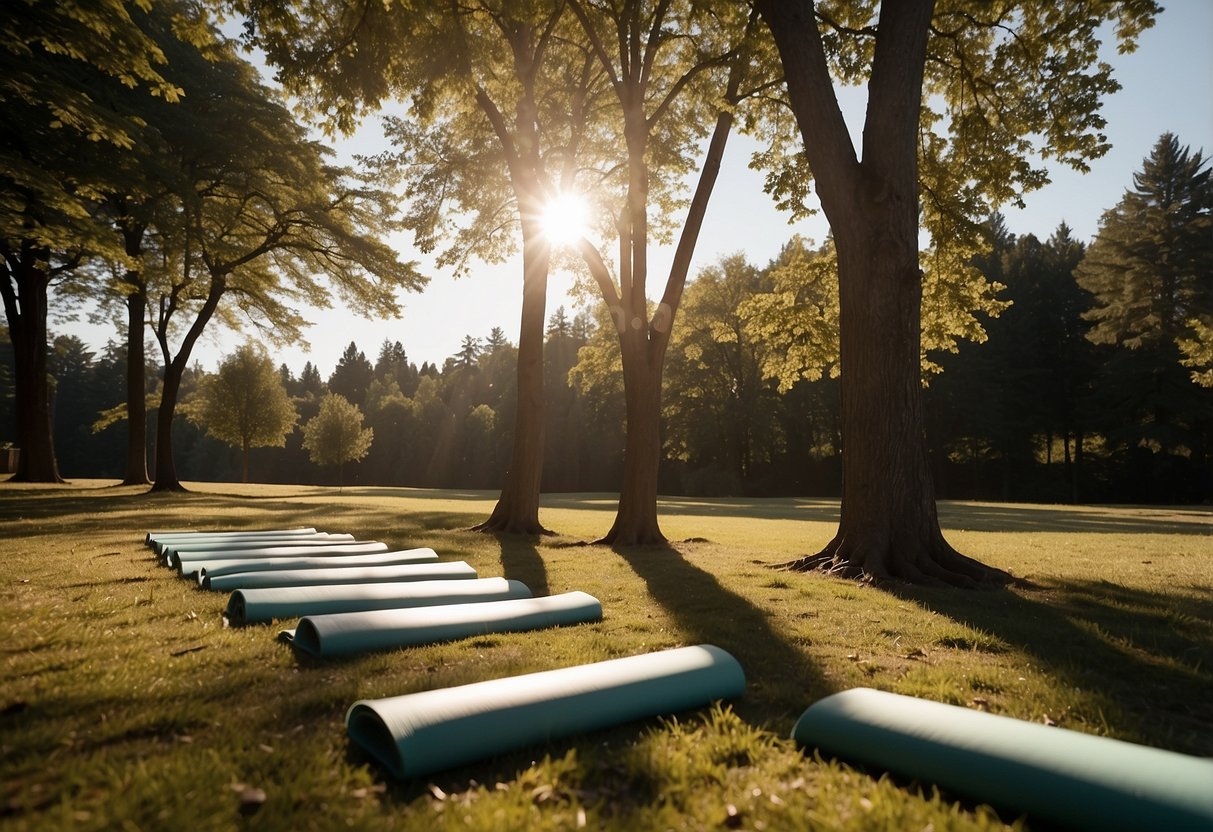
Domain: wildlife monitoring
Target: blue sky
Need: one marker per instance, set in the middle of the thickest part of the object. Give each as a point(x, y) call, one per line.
point(1167, 86)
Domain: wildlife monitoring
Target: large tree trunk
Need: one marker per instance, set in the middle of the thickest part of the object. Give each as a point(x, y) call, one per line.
point(174, 369)
point(643, 342)
point(636, 519)
point(136, 390)
point(136, 364)
point(25, 305)
point(517, 509)
point(889, 526)
point(166, 467)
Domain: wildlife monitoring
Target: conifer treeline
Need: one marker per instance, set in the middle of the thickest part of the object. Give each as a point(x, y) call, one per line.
point(1039, 412)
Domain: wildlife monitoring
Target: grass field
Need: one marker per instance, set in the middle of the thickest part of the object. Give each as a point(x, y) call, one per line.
point(125, 703)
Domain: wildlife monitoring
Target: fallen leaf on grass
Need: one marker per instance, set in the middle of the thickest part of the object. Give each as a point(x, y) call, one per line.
point(438, 793)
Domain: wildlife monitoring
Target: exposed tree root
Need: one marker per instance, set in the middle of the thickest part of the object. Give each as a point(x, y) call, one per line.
point(512, 525)
point(936, 563)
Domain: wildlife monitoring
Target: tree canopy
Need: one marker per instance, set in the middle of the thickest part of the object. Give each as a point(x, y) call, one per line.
point(245, 404)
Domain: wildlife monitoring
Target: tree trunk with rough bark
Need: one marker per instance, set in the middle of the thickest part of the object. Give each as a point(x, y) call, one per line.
point(174, 369)
point(136, 363)
point(517, 509)
point(25, 305)
point(636, 519)
point(889, 526)
point(136, 390)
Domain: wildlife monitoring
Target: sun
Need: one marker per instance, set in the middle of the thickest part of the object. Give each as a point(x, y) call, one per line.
point(565, 218)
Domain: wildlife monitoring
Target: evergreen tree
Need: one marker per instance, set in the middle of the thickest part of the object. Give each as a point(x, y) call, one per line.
point(1149, 272)
point(353, 374)
point(1149, 267)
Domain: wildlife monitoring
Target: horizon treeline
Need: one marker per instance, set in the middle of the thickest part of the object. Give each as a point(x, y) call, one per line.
point(1039, 412)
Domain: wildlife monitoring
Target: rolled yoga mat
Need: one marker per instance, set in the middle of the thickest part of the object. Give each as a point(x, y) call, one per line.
point(235, 544)
point(215, 568)
point(180, 559)
point(158, 539)
point(1048, 773)
point(250, 606)
point(357, 632)
point(452, 571)
point(420, 733)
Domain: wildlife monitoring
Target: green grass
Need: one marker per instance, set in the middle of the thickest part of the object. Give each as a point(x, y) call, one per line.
point(125, 704)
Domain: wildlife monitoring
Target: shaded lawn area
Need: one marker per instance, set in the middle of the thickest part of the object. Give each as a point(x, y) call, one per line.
point(124, 701)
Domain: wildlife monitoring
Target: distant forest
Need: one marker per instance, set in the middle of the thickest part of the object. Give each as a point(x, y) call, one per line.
point(1038, 412)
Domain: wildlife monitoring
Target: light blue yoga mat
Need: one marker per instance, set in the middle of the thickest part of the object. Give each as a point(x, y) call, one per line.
point(218, 567)
point(358, 632)
point(419, 733)
point(158, 539)
point(235, 544)
point(451, 571)
point(180, 559)
point(1048, 773)
point(249, 606)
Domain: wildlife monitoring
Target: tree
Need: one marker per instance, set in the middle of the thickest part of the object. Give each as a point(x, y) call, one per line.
point(335, 435)
point(671, 92)
point(245, 404)
point(1149, 266)
point(1148, 271)
point(352, 375)
point(263, 220)
point(719, 411)
point(1006, 76)
point(63, 67)
point(503, 103)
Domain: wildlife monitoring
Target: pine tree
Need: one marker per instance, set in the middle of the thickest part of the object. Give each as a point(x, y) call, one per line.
point(1149, 272)
point(353, 374)
point(1149, 268)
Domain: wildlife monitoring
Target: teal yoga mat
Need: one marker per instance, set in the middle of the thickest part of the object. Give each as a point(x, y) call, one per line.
point(451, 571)
point(419, 733)
point(216, 568)
point(304, 540)
point(359, 632)
point(158, 539)
point(180, 559)
point(250, 606)
point(1048, 773)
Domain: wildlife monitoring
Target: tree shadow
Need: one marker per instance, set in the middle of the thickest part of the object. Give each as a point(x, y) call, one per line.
point(1146, 657)
point(781, 680)
point(521, 561)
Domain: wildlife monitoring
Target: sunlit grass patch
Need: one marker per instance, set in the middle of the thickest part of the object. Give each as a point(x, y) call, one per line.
point(125, 701)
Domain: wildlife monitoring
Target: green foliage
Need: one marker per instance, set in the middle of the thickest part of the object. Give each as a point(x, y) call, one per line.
point(1198, 351)
point(245, 403)
point(1004, 83)
point(335, 435)
point(1150, 263)
point(799, 316)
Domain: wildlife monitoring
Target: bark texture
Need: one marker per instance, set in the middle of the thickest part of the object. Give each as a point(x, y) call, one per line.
point(517, 509)
point(889, 526)
point(25, 306)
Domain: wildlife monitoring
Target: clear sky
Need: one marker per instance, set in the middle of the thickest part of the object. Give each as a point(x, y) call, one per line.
point(1167, 86)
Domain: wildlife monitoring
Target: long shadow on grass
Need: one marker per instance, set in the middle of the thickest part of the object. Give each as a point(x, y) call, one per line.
point(521, 561)
point(82, 512)
point(1147, 655)
point(781, 680)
